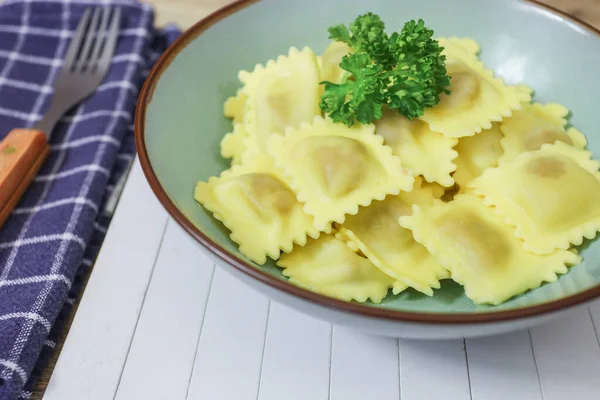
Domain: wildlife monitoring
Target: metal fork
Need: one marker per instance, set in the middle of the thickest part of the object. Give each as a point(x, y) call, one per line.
point(23, 151)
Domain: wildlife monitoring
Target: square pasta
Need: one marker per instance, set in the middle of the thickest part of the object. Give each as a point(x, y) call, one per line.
point(481, 251)
point(235, 106)
point(330, 62)
point(537, 124)
point(550, 195)
point(436, 189)
point(232, 144)
point(375, 231)
point(477, 97)
point(422, 151)
point(327, 266)
point(476, 154)
point(467, 45)
point(283, 93)
point(256, 204)
point(397, 286)
point(334, 168)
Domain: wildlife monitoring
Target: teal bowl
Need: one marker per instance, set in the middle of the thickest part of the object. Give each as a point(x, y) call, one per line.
point(179, 125)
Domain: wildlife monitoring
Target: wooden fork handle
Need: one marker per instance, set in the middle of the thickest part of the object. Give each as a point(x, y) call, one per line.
point(22, 153)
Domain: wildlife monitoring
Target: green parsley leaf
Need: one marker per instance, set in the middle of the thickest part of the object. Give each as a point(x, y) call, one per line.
point(341, 34)
point(368, 33)
point(359, 98)
point(405, 71)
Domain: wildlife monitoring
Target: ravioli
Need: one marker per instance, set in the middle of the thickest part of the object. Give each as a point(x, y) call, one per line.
point(334, 168)
point(235, 107)
point(550, 195)
point(327, 266)
point(476, 154)
point(422, 151)
point(233, 144)
point(256, 204)
point(537, 124)
point(437, 190)
point(481, 251)
point(392, 248)
point(330, 62)
point(477, 97)
point(467, 45)
point(485, 188)
point(284, 93)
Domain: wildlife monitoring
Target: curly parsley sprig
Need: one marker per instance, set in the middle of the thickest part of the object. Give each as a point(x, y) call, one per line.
point(405, 71)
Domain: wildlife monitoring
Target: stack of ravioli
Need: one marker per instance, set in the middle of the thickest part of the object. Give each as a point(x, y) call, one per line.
point(487, 188)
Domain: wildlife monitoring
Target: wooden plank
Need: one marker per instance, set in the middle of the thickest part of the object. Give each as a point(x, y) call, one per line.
point(363, 366)
point(568, 357)
point(94, 353)
point(297, 355)
point(433, 370)
point(170, 322)
point(502, 367)
point(185, 12)
point(230, 350)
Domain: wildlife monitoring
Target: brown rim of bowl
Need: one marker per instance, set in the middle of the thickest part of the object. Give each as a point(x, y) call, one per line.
point(279, 284)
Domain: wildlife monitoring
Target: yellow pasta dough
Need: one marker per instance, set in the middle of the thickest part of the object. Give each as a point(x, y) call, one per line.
point(284, 93)
point(436, 189)
point(256, 204)
point(235, 107)
point(477, 99)
point(467, 45)
point(397, 286)
point(537, 124)
point(550, 195)
point(422, 151)
point(392, 248)
point(334, 168)
point(476, 154)
point(233, 144)
point(481, 251)
point(330, 62)
point(327, 266)
point(486, 188)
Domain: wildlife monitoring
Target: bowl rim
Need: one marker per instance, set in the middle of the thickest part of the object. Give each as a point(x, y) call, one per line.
point(282, 285)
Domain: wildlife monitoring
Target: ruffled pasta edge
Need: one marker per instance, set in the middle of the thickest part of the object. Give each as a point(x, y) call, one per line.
point(513, 97)
point(529, 235)
point(376, 298)
point(569, 258)
point(203, 195)
point(354, 242)
point(391, 163)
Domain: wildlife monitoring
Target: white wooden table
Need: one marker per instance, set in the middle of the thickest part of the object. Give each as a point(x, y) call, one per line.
point(159, 321)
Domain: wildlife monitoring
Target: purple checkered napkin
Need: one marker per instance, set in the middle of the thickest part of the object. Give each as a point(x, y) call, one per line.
point(56, 230)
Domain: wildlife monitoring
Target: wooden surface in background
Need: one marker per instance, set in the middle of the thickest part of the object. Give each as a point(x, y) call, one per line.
point(186, 12)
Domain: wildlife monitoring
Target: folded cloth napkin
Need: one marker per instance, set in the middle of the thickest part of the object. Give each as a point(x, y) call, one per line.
point(55, 232)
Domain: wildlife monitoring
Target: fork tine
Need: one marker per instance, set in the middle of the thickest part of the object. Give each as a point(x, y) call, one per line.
point(101, 33)
point(76, 40)
point(83, 59)
point(111, 42)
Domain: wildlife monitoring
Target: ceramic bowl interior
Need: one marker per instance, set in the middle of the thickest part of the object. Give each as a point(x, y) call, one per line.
point(180, 121)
